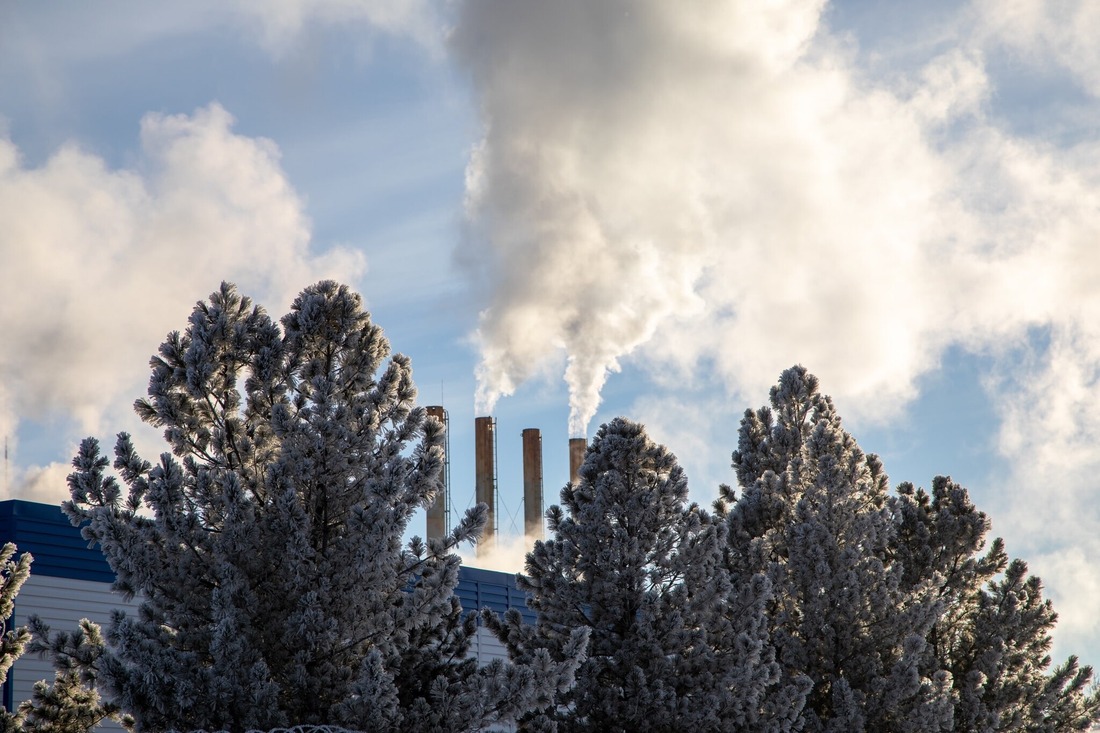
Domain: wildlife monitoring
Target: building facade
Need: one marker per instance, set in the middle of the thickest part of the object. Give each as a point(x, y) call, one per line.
point(70, 581)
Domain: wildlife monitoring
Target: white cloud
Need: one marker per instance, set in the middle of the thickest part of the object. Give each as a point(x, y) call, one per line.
point(1049, 403)
point(1045, 31)
point(281, 22)
point(1074, 592)
point(100, 264)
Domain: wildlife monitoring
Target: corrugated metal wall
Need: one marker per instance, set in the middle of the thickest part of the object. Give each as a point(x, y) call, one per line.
point(61, 603)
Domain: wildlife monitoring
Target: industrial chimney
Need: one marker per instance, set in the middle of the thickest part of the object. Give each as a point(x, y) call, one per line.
point(532, 484)
point(485, 477)
point(438, 512)
point(577, 447)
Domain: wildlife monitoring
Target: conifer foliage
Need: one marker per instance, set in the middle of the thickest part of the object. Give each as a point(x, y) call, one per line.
point(994, 633)
point(13, 573)
point(266, 548)
point(71, 704)
point(672, 644)
point(886, 601)
point(814, 516)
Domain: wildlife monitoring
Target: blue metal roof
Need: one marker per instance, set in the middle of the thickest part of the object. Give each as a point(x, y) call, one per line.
point(60, 552)
point(58, 549)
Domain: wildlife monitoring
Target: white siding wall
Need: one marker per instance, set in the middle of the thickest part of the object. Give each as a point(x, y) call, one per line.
point(61, 603)
point(486, 647)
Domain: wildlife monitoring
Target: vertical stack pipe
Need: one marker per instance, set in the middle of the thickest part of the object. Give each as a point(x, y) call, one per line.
point(485, 477)
point(532, 484)
point(577, 447)
point(437, 512)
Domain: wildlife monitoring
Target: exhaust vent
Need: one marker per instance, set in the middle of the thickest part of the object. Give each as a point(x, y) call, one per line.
point(486, 477)
point(577, 446)
point(532, 484)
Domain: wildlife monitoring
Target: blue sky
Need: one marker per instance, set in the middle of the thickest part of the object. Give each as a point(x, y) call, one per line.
point(568, 211)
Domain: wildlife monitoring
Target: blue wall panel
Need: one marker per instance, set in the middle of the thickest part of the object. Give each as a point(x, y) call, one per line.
point(45, 532)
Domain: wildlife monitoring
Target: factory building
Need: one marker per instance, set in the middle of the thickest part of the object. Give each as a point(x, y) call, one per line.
point(70, 581)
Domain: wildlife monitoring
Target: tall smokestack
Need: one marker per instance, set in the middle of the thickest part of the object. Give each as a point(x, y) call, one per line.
point(532, 484)
point(577, 447)
point(486, 479)
point(438, 513)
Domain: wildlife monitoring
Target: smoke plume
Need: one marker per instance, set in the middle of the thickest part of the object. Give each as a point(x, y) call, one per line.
point(646, 165)
point(719, 190)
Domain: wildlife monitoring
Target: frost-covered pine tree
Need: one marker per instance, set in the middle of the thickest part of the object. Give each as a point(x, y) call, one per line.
point(13, 573)
point(813, 515)
point(672, 644)
point(994, 633)
point(67, 706)
point(888, 602)
point(71, 704)
point(266, 548)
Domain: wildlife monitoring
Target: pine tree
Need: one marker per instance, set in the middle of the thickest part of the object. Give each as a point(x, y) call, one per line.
point(266, 549)
point(13, 573)
point(672, 645)
point(814, 516)
point(71, 704)
point(887, 601)
point(994, 634)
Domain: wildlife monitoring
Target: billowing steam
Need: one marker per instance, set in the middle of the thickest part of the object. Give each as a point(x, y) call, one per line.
point(648, 161)
point(722, 189)
point(719, 183)
point(594, 187)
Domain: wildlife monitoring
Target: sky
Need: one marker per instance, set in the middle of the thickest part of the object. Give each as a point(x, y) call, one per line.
point(568, 211)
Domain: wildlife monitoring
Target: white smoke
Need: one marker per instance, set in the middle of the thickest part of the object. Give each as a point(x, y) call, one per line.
point(595, 189)
point(508, 553)
point(729, 188)
point(652, 172)
point(100, 264)
point(721, 183)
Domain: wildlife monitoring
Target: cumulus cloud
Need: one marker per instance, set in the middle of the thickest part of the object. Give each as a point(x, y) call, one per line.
point(100, 264)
